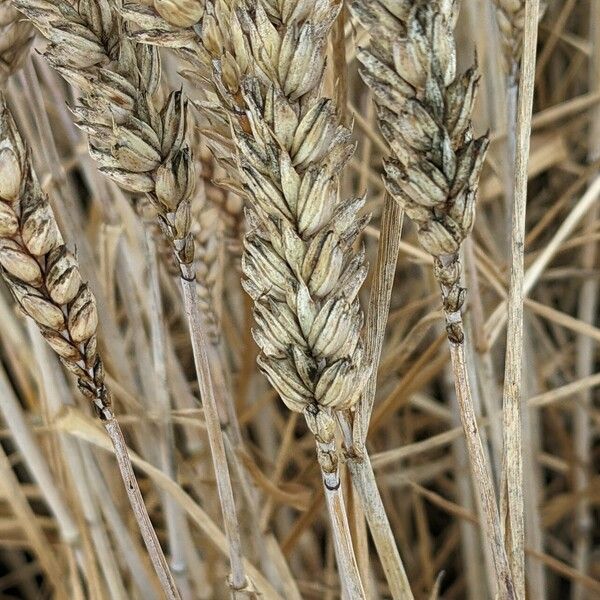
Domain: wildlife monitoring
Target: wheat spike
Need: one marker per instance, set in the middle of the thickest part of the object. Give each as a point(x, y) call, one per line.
point(42, 273)
point(16, 37)
point(510, 15)
point(264, 64)
point(300, 265)
point(44, 278)
point(137, 141)
point(424, 112)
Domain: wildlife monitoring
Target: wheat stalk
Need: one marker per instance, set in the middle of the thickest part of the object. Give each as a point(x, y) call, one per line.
point(517, 21)
point(16, 37)
point(44, 278)
point(511, 493)
point(424, 113)
point(144, 147)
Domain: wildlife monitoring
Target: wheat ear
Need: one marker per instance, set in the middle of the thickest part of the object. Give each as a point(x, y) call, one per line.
point(16, 37)
point(299, 264)
point(424, 112)
point(43, 276)
point(143, 146)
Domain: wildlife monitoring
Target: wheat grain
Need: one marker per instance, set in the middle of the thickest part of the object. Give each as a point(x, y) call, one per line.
point(16, 37)
point(44, 278)
point(181, 13)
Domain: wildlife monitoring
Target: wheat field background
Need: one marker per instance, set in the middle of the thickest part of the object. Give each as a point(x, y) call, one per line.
point(299, 299)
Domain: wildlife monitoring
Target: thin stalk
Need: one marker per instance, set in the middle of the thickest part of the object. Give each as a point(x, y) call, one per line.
point(365, 485)
point(139, 509)
point(511, 491)
point(349, 575)
point(484, 367)
point(359, 464)
point(88, 465)
point(215, 436)
point(177, 531)
point(479, 466)
point(102, 547)
point(17, 501)
point(363, 480)
point(497, 319)
point(512, 95)
point(470, 536)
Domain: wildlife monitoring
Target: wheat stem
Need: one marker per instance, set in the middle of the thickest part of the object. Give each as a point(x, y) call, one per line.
point(481, 473)
point(344, 551)
point(139, 508)
point(511, 492)
point(215, 436)
point(176, 525)
point(359, 463)
point(364, 482)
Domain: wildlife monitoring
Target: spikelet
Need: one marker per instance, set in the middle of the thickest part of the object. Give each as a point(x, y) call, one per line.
point(182, 13)
point(137, 141)
point(206, 230)
point(42, 273)
point(16, 37)
point(424, 112)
